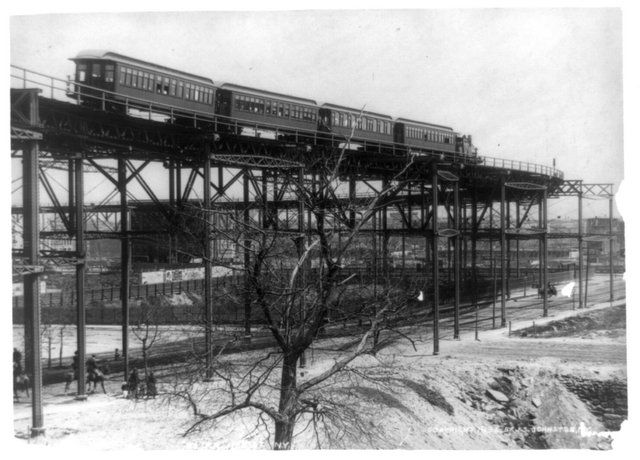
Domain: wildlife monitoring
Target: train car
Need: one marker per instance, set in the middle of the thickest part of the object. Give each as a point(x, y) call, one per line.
point(267, 110)
point(422, 135)
point(132, 78)
point(369, 126)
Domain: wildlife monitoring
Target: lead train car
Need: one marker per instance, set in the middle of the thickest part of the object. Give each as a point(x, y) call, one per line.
point(422, 135)
point(128, 77)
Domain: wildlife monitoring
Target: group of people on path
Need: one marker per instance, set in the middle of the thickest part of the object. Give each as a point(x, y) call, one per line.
point(135, 387)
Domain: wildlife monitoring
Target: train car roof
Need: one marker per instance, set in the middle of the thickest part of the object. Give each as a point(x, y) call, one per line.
point(356, 111)
point(110, 55)
point(422, 123)
point(260, 92)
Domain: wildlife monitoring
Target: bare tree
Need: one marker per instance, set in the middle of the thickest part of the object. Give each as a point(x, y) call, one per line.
point(295, 306)
point(146, 329)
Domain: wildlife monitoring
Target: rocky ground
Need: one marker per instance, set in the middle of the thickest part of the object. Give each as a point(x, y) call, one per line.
point(562, 389)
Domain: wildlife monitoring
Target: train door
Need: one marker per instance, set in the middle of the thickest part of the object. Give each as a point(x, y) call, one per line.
point(223, 102)
point(324, 120)
point(222, 109)
point(94, 74)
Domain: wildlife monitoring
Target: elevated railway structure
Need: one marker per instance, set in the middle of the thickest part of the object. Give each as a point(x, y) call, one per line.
point(452, 202)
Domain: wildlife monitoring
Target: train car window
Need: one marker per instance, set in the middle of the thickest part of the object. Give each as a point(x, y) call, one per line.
point(359, 122)
point(134, 78)
point(109, 71)
point(127, 80)
point(172, 88)
point(82, 73)
point(180, 89)
point(165, 86)
point(158, 84)
point(96, 70)
point(122, 73)
point(187, 91)
point(286, 111)
point(196, 94)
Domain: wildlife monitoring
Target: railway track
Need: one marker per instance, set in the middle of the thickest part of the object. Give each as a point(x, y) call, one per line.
point(486, 316)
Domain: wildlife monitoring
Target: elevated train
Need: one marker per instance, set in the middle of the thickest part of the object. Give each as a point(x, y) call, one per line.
point(127, 80)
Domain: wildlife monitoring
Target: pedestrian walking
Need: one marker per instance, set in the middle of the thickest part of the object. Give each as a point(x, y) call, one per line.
point(151, 385)
point(133, 382)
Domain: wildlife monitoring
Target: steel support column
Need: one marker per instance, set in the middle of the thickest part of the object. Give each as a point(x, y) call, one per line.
point(247, 255)
point(456, 259)
point(31, 241)
point(172, 204)
point(580, 255)
point(610, 248)
point(508, 240)
point(385, 239)
point(352, 200)
point(208, 223)
point(80, 272)
point(503, 256)
point(124, 261)
point(545, 270)
point(300, 249)
point(434, 254)
point(474, 253)
point(71, 194)
point(518, 226)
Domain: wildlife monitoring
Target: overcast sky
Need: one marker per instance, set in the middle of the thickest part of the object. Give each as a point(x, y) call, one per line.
point(532, 85)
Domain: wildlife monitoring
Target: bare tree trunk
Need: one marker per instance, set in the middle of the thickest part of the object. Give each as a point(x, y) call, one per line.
point(288, 403)
point(49, 343)
point(61, 346)
point(144, 357)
